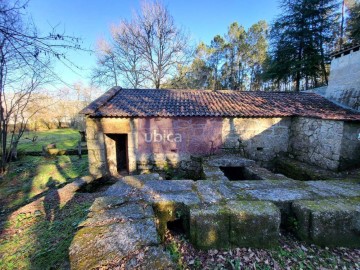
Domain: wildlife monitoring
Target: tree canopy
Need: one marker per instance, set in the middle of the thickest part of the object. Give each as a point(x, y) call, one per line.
point(354, 23)
point(301, 41)
point(145, 50)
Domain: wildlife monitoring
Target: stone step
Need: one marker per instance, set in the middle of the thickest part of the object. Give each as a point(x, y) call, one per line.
point(332, 222)
point(236, 224)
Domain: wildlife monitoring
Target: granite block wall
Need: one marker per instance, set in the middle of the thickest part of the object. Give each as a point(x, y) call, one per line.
point(328, 144)
point(350, 146)
point(156, 143)
point(261, 138)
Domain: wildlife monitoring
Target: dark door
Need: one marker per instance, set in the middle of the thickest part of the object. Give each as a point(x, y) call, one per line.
point(117, 155)
point(121, 152)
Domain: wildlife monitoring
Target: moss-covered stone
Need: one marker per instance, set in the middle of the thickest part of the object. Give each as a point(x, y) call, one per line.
point(209, 227)
point(168, 186)
point(107, 202)
point(208, 191)
point(328, 222)
point(301, 171)
point(127, 212)
point(151, 258)
point(93, 247)
point(166, 211)
point(253, 224)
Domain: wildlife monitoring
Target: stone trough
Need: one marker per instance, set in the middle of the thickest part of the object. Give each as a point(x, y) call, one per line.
point(134, 213)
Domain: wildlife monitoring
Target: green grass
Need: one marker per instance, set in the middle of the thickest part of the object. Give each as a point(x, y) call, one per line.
point(32, 241)
point(65, 138)
point(39, 243)
point(31, 176)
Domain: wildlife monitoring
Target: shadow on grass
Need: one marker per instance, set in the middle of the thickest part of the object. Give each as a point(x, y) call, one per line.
point(34, 239)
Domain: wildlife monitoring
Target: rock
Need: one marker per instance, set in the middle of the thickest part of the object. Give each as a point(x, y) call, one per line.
point(126, 213)
point(37, 213)
point(335, 188)
point(260, 173)
point(226, 191)
point(328, 222)
point(166, 211)
point(280, 194)
point(208, 191)
point(108, 202)
point(229, 160)
point(300, 170)
point(151, 258)
point(138, 180)
point(93, 247)
point(209, 227)
point(253, 224)
point(120, 189)
point(187, 198)
point(167, 186)
point(56, 152)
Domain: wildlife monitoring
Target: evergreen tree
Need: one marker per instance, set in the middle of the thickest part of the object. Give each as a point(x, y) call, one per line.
point(301, 40)
point(354, 23)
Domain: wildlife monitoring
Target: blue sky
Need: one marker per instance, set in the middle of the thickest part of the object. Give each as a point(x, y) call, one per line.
point(91, 19)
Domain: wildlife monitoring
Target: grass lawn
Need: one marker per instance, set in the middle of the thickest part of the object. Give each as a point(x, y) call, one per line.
point(29, 241)
point(30, 176)
point(65, 138)
point(35, 242)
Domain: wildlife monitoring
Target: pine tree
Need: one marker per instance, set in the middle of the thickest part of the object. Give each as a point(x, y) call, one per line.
point(354, 23)
point(301, 41)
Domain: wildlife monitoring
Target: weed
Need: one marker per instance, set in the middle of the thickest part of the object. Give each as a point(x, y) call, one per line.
point(175, 254)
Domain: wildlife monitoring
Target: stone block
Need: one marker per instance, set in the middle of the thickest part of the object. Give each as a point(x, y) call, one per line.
point(96, 156)
point(151, 258)
point(97, 169)
point(168, 186)
point(230, 161)
point(126, 212)
point(93, 247)
point(328, 222)
point(107, 202)
point(253, 224)
point(166, 211)
point(209, 228)
point(187, 198)
point(208, 191)
point(335, 188)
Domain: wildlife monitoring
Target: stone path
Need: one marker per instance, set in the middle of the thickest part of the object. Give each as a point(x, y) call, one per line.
point(130, 220)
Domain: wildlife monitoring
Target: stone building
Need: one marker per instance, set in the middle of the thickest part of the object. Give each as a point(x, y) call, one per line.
point(344, 81)
point(134, 130)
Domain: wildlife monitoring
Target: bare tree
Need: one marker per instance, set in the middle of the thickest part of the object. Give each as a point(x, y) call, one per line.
point(16, 114)
point(24, 64)
point(161, 43)
point(106, 71)
point(147, 49)
point(129, 59)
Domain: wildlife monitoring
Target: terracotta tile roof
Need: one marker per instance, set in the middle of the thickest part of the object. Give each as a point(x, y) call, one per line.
point(119, 102)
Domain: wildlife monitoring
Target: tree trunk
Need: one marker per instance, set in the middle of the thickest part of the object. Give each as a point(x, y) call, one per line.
point(342, 25)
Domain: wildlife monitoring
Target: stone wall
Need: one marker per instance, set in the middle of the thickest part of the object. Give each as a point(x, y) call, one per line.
point(316, 141)
point(344, 81)
point(261, 138)
point(326, 143)
point(350, 146)
point(101, 148)
point(174, 143)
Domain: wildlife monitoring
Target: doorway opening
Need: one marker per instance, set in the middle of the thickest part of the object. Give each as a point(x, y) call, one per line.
point(117, 153)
